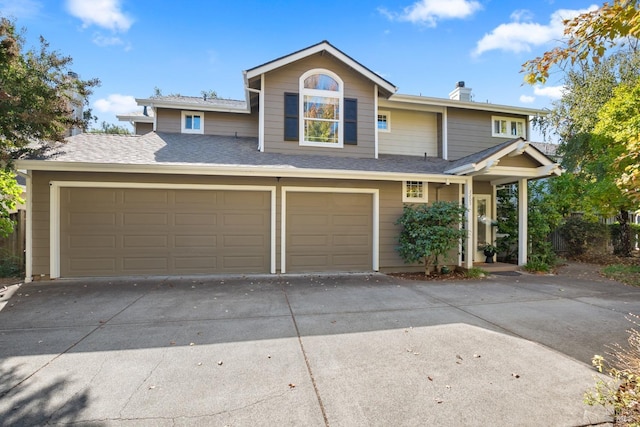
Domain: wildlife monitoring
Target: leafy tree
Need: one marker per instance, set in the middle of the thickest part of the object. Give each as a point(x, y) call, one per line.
point(619, 122)
point(595, 160)
point(589, 36)
point(429, 231)
point(37, 96)
point(112, 129)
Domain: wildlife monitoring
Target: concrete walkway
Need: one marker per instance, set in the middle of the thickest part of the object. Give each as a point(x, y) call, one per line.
point(356, 350)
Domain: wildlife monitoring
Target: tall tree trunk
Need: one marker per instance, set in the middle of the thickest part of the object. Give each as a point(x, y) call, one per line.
point(623, 246)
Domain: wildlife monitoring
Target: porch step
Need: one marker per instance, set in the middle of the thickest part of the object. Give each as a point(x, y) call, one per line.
point(496, 266)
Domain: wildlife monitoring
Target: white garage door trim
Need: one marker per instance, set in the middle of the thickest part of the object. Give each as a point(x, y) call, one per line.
point(375, 262)
point(54, 209)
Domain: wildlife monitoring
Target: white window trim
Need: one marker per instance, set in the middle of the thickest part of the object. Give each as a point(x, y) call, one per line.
point(388, 115)
point(425, 193)
point(184, 119)
point(509, 120)
point(339, 94)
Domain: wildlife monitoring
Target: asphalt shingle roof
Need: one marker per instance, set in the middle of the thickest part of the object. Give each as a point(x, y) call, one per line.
point(208, 150)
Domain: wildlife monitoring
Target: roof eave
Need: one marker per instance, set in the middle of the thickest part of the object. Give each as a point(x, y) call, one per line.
point(233, 170)
point(452, 103)
point(176, 105)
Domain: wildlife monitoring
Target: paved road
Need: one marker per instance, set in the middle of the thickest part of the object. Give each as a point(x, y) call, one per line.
point(351, 350)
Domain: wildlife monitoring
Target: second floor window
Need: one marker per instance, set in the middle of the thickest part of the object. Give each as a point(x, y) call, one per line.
point(321, 109)
point(192, 122)
point(508, 127)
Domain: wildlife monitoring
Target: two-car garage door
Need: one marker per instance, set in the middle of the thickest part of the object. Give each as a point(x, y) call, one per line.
point(179, 231)
point(141, 231)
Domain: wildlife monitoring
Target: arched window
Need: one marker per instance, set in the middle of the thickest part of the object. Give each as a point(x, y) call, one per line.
point(321, 108)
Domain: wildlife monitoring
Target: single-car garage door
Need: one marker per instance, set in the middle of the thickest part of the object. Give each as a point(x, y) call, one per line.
point(329, 232)
point(140, 231)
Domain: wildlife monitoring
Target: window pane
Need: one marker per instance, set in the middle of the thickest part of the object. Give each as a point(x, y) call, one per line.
point(414, 190)
point(196, 122)
point(188, 122)
point(382, 122)
point(321, 82)
point(514, 128)
point(321, 107)
point(321, 131)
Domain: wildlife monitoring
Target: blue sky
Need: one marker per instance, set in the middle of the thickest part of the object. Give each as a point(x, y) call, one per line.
point(422, 46)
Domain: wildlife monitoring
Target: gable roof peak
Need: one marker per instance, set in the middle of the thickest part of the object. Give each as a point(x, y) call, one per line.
point(323, 46)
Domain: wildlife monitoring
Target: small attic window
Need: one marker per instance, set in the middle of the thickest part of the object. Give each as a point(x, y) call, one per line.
point(192, 122)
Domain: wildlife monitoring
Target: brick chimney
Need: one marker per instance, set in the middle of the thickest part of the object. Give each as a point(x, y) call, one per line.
point(461, 93)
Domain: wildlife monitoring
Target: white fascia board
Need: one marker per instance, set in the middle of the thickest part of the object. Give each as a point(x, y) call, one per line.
point(134, 118)
point(445, 102)
point(409, 106)
point(174, 105)
point(254, 72)
point(465, 169)
point(231, 170)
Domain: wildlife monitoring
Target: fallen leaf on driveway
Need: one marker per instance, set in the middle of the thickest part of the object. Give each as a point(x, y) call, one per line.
point(291, 385)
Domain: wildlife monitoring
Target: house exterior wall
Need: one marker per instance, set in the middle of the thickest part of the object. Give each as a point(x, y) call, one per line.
point(390, 194)
point(286, 79)
point(413, 133)
point(142, 128)
point(469, 131)
point(215, 123)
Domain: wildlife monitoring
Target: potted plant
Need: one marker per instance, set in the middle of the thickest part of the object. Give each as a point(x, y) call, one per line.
point(489, 251)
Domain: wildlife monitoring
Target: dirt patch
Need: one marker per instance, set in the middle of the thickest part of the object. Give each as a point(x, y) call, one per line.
point(454, 275)
point(6, 281)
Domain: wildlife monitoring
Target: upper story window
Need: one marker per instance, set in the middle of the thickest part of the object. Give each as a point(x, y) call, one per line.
point(508, 127)
point(192, 122)
point(384, 121)
point(322, 123)
point(414, 192)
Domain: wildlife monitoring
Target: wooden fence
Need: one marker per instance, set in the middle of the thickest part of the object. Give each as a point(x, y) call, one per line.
point(13, 246)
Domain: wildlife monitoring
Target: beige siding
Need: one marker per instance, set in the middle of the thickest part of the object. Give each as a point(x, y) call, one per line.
point(413, 133)
point(522, 161)
point(142, 128)
point(469, 132)
point(286, 79)
point(215, 123)
point(390, 206)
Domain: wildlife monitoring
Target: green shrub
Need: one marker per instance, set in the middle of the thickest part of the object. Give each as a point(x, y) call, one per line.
point(10, 266)
point(429, 232)
point(581, 234)
point(476, 273)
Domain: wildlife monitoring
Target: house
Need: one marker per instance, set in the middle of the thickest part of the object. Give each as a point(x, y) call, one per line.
point(307, 174)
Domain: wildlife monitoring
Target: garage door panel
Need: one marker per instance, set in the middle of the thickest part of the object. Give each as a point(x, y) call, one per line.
point(91, 242)
point(141, 196)
point(145, 242)
point(243, 241)
point(102, 264)
point(329, 232)
point(308, 240)
point(91, 219)
point(191, 219)
point(163, 232)
point(145, 219)
point(200, 241)
point(361, 241)
point(242, 219)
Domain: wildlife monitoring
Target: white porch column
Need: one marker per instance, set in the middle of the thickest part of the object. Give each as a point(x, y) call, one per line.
point(523, 218)
point(468, 204)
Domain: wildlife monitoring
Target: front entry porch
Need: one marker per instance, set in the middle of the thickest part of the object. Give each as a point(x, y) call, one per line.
point(496, 267)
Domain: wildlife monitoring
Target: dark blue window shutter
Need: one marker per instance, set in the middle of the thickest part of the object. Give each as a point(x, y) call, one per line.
point(291, 128)
point(350, 121)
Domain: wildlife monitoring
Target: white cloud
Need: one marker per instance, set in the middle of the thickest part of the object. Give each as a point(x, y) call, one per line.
point(429, 12)
point(103, 13)
point(116, 104)
point(518, 36)
point(23, 9)
point(553, 92)
point(527, 99)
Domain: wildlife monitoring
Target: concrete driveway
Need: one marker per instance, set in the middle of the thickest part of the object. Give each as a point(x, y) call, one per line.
point(352, 350)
